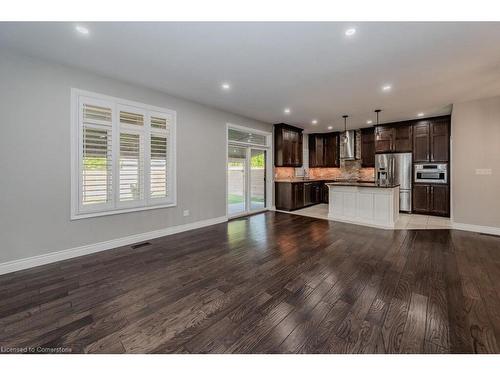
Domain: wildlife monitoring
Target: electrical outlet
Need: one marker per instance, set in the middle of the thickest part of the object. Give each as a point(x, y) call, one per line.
point(484, 171)
point(186, 213)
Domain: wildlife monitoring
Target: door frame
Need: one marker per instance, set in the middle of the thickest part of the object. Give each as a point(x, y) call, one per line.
point(268, 171)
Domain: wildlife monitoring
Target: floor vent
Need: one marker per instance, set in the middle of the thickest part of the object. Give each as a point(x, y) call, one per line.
point(142, 244)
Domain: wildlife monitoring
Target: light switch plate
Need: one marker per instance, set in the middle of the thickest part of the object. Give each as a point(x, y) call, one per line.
point(186, 213)
point(484, 171)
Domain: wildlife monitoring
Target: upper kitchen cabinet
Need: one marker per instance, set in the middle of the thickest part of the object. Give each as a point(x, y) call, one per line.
point(440, 140)
point(368, 147)
point(431, 140)
point(287, 146)
point(316, 150)
point(403, 138)
point(384, 139)
point(324, 150)
point(332, 150)
point(393, 138)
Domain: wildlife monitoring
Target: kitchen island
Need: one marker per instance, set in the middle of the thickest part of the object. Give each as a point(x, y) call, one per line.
point(364, 203)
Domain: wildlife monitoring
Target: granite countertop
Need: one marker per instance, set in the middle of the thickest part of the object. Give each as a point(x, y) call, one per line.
point(363, 184)
point(293, 180)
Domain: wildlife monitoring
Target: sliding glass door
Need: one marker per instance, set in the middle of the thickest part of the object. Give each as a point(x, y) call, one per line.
point(236, 180)
point(246, 180)
point(257, 179)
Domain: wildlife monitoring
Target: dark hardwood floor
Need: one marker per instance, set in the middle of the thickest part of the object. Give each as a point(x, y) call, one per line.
point(269, 283)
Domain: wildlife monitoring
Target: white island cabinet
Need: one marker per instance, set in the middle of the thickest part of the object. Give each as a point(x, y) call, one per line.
point(364, 203)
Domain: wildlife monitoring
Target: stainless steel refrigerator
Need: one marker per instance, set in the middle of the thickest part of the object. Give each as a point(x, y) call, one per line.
point(396, 169)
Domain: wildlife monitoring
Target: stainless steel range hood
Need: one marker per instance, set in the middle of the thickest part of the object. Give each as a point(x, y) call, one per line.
point(348, 145)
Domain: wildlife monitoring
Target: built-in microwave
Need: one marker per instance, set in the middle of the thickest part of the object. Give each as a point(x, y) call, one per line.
point(431, 173)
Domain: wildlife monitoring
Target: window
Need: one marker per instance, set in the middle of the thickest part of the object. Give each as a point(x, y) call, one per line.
point(123, 156)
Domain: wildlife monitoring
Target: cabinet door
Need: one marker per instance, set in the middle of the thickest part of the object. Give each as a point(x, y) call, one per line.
point(287, 148)
point(384, 139)
point(320, 150)
point(298, 195)
point(421, 143)
point(368, 147)
point(312, 150)
point(324, 193)
point(308, 193)
point(439, 141)
point(296, 158)
point(331, 150)
point(316, 193)
point(403, 138)
point(421, 198)
point(440, 200)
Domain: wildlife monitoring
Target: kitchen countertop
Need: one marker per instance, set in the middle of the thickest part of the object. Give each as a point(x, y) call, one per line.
point(293, 180)
point(362, 184)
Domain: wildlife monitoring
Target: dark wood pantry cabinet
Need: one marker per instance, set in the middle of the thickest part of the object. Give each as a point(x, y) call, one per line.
point(324, 150)
point(431, 199)
point(368, 147)
point(287, 146)
point(431, 140)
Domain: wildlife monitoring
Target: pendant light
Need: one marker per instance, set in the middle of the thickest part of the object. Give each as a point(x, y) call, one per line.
point(345, 140)
point(377, 111)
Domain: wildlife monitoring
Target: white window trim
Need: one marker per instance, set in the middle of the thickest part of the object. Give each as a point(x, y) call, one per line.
point(119, 208)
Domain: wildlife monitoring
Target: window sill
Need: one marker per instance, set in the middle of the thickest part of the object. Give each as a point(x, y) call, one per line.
point(86, 215)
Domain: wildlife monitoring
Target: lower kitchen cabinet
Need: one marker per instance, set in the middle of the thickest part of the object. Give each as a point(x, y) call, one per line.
point(295, 195)
point(431, 199)
point(325, 191)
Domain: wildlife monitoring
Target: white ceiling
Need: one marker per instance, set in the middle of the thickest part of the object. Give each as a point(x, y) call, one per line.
point(312, 68)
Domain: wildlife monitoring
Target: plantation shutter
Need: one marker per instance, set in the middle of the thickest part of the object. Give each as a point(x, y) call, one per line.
point(96, 151)
point(159, 157)
point(131, 165)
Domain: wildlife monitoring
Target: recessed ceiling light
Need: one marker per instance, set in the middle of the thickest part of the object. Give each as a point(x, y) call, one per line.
point(314, 122)
point(82, 30)
point(421, 114)
point(330, 127)
point(350, 32)
point(225, 86)
point(369, 122)
point(386, 88)
point(286, 110)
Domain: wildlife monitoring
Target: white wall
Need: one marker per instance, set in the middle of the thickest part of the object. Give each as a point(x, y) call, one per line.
point(475, 132)
point(35, 160)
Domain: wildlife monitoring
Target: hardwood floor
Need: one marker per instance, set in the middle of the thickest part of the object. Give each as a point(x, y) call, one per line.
point(269, 283)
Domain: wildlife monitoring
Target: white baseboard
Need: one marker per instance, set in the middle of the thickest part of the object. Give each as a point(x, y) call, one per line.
point(21, 264)
point(476, 228)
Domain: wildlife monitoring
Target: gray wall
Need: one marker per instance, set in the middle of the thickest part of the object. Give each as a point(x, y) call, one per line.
point(475, 131)
point(35, 160)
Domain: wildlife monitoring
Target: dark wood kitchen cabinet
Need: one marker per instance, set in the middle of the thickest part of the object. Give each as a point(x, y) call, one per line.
point(316, 150)
point(431, 199)
point(421, 144)
point(287, 146)
point(384, 139)
point(332, 150)
point(325, 191)
point(324, 150)
point(431, 140)
point(368, 147)
point(403, 138)
point(291, 196)
point(440, 140)
point(393, 138)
